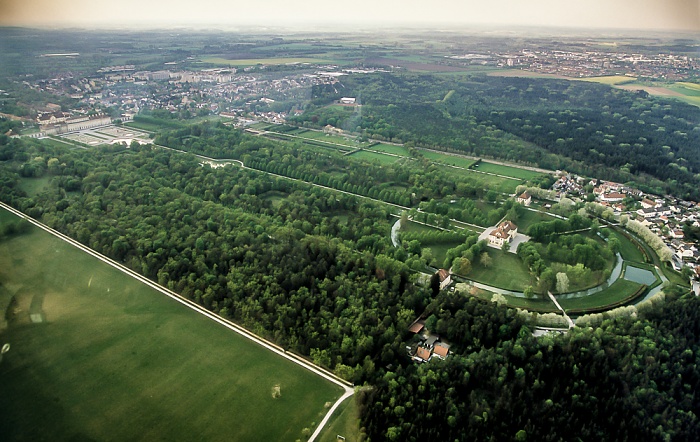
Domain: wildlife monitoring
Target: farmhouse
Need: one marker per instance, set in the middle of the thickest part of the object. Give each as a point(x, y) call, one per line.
point(525, 199)
point(505, 232)
point(347, 100)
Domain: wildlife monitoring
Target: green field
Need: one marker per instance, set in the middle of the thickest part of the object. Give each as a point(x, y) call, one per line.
point(492, 182)
point(618, 291)
point(113, 359)
point(499, 169)
point(448, 159)
point(685, 88)
point(529, 218)
point(344, 422)
point(507, 272)
point(256, 61)
point(337, 139)
point(390, 148)
point(151, 127)
point(372, 156)
point(628, 250)
point(34, 186)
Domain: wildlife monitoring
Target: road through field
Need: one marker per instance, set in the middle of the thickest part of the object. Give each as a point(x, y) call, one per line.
point(346, 386)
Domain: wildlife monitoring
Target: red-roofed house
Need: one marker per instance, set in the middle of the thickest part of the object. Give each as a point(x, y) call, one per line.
point(422, 354)
point(525, 199)
point(440, 350)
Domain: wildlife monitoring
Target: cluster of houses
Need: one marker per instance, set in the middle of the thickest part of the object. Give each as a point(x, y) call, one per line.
point(665, 216)
point(428, 346)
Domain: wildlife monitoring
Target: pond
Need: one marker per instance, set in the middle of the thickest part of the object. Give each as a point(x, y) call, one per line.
point(640, 276)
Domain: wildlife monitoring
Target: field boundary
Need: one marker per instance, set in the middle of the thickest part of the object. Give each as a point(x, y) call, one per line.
point(320, 371)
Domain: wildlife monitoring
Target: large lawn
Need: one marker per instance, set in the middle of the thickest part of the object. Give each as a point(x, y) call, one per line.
point(113, 359)
point(448, 159)
point(507, 272)
point(529, 218)
point(390, 148)
point(344, 422)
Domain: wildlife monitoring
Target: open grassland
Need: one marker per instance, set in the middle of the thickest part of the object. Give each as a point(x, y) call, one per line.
point(256, 61)
point(496, 183)
point(685, 88)
point(390, 148)
point(611, 79)
point(507, 272)
point(112, 359)
point(514, 172)
point(452, 160)
point(345, 422)
point(529, 218)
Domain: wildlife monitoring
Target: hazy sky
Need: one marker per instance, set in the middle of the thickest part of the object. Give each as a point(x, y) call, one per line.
point(629, 14)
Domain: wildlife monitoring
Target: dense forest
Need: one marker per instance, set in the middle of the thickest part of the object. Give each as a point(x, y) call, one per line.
point(583, 127)
point(314, 270)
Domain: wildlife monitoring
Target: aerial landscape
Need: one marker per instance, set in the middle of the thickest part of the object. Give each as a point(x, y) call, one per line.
point(315, 222)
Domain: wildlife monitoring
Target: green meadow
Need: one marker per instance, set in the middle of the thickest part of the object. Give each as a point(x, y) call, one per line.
point(97, 355)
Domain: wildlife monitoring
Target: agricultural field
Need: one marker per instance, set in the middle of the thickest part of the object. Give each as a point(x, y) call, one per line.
point(611, 80)
point(263, 61)
point(498, 169)
point(685, 88)
point(97, 355)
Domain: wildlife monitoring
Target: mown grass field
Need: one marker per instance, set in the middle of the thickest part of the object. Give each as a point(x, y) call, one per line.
point(498, 184)
point(115, 360)
point(611, 79)
point(514, 172)
point(448, 159)
point(507, 271)
point(390, 148)
point(529, 218)
point(344, 422)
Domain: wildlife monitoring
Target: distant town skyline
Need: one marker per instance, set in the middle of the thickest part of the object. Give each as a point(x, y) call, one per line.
point(669, 15)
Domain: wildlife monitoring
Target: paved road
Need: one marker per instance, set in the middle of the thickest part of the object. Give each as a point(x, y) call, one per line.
point(320, 371)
